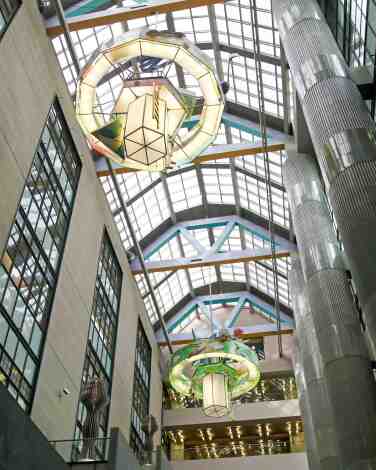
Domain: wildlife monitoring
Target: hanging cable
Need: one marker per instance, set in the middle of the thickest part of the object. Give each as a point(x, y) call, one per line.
point(261, 113)
point(140, 255)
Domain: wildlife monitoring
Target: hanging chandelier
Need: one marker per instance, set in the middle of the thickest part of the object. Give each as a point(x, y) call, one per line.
point(141, 132)
point(215, 370)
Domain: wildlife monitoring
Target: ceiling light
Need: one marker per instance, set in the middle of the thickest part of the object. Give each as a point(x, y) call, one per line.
point(215, 370)
point(142, 130)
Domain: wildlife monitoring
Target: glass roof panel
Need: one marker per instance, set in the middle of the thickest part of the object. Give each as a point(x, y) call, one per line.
point(218, 185)
point(185, 190)
point(233, 272)
point(203, 276)
point(145, 195)
point(149, 211)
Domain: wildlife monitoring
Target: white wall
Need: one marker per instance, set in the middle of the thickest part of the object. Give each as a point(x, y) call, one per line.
point(30, 79)
point(296, 461)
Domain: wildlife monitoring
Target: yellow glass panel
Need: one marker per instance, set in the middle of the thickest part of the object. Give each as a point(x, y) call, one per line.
point(129, 50)
point(211, 119)
point(198, 144)
point(210, 89)
point(84, 107)
point(174, 119)
point(190, 63)
point(158, 49)
point(93, 72)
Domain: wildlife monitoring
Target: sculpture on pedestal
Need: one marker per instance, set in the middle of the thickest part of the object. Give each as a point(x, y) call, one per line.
point(149, 427)
point(94, 397)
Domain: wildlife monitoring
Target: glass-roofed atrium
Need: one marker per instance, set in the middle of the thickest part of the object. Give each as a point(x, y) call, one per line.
point(224, 187)
point(187, 222)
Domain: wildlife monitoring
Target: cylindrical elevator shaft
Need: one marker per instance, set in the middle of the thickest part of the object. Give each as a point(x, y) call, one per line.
point(343, 135)
point(340, 344)
point(321, 448)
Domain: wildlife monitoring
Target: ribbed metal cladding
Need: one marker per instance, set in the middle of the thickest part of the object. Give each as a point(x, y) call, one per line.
point(334, 334)
point(341, 99)
point(314, 400)
point(353, 198)
point(309, 436)
point(313, 229)
point(343, 135)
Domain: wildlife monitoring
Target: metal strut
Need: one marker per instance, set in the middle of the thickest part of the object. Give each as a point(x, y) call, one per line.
point(140, 255)
point(261, 113)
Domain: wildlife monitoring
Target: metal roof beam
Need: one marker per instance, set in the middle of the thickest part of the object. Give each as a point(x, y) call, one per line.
point(227, 288)
point(259, 331)
point(240, 297)
point(251, 114)
point(215, 152)
point(215, 259)
point(216, 212)
point(107, 17)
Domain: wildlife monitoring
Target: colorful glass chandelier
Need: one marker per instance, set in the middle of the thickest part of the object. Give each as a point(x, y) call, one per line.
point(215, 370)
point(142, 130)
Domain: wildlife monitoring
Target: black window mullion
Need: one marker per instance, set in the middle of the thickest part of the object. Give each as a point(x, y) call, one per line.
point(8, 9)
point(103, 321)
point(141, 390)
point(36, 278)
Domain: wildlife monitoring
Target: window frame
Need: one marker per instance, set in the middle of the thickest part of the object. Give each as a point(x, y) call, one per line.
point(8, 20)
point(135, 439)
point(37, 358)
point(90, 351)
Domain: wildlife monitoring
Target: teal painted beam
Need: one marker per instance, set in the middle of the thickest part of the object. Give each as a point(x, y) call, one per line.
point(193, 120)
point(160, 245)
point(206, 225)
point(182, 318)
point(226, 300)
point(86, 8)
point(234, 315)
point(221, 240)
point(256, 233)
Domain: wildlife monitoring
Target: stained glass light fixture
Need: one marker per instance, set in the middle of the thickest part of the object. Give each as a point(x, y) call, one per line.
point(142, 131)
point(215, 370)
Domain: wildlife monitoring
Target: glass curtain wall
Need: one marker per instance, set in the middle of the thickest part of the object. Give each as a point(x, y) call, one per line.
point(101, 342)
point(141, 392)
point(30, 262)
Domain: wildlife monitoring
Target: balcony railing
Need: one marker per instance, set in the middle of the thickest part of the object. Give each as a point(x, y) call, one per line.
point(71, 450)
point(269, 389)
point(239, 449)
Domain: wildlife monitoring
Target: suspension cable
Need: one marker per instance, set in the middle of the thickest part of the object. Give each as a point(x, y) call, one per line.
point(261, 114)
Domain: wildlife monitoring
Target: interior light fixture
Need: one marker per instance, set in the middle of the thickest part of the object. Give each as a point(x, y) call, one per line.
point(215, 370)
point(142, 130)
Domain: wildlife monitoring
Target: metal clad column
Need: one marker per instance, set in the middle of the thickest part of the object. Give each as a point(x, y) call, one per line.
point(344, 137)
point(335, 325)
point(321, 448)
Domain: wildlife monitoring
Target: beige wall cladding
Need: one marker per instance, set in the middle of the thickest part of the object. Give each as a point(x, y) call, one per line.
point(30, 78)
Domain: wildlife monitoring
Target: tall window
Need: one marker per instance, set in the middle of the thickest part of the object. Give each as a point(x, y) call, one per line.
point(30, 263)
point(141, 391)
point(8, 9)
point(100, 348)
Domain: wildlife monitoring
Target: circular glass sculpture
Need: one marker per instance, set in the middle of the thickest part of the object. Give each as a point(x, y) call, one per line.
point(214, 370)
point(142, 130)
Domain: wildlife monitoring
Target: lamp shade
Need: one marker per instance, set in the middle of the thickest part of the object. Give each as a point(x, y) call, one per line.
point(141, 131)
point(215, 395)
point(214, 370)
point(145, 140)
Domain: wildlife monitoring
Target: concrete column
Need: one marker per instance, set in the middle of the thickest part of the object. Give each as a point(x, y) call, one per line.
point(321, 448)
point(340, 342)
point(343, 135)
